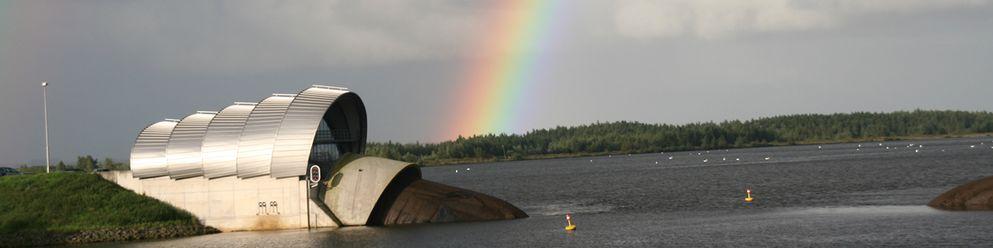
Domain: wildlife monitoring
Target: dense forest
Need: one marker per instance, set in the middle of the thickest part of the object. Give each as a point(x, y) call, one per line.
point(635, 137)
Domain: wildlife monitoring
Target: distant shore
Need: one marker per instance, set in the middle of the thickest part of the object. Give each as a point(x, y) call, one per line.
point(975, 195)
point(632, 137)
point(443, 162)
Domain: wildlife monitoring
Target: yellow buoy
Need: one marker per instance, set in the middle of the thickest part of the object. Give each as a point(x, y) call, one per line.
point(748, 195)
point(568, 220)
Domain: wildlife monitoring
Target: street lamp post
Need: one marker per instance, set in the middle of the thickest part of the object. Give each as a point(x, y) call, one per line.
point(44, 94)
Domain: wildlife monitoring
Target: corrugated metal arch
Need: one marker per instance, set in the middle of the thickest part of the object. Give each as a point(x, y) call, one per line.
point(148, 155)
point(259, 135)
point(220, 143)
point(293, 144)
point(183, 153)
point(273, 137)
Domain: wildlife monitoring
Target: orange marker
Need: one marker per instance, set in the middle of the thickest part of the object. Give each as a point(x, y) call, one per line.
point(748, 195)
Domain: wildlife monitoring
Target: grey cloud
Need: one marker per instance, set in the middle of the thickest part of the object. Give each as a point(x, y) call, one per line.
point(118, 66)
point(276, 35)
point(711, 19)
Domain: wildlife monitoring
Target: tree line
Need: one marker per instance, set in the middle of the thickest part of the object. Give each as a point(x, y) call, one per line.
point(635, 137)
point(83, 164)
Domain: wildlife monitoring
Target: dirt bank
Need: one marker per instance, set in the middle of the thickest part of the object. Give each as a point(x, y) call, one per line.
point(975, 195)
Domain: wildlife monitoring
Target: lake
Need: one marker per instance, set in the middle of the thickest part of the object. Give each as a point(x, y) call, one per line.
point(857, 194)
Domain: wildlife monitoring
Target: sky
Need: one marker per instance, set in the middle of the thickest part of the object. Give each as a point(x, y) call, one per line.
point(116, 66)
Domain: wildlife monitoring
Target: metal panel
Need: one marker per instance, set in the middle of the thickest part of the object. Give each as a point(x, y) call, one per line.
point(296, 134)
point(148, 157)
point(220, 143)
point(183, 157)
point(256, 143)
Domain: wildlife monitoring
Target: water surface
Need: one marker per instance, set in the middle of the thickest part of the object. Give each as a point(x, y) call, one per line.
point(832, 195)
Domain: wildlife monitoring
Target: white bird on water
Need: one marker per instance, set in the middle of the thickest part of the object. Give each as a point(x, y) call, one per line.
point(705, 160)
point(670, 157)
point(818, 147)
point(456, 171)
point(768, 158)
point(972, 146)
point(737, 159)
point(724, 159)
point(915, 150)
point(468, 169)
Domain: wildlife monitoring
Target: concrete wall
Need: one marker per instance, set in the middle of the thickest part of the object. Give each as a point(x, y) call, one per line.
point(361, 183)
point(232, 204)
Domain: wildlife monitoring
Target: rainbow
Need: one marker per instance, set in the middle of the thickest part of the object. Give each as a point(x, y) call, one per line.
point(491, 96)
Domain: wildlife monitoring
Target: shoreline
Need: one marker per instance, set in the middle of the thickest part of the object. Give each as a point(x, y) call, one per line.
point(580, 155)
point(115, 234)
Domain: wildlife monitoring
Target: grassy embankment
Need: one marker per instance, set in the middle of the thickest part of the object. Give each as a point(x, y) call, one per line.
point(59, 208)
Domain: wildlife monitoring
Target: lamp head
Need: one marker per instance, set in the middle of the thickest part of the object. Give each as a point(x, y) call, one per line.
point(44, 84)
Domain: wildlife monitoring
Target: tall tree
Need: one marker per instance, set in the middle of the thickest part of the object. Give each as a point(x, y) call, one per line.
point(109, 164)
point(86, 163)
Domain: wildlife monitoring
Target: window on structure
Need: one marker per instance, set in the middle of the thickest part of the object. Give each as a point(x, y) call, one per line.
point(324, 152)
point(340, 132)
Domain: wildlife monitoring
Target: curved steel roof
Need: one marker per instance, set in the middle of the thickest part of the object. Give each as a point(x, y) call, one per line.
point(220, 143)
point(183, 152)
point(259, 135)
point(296, 134)
point(148, 156)
point(273, 137)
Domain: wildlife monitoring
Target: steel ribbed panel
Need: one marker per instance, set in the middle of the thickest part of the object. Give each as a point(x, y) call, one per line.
point(183, 157)
point(220, 143)
point(257, 139)
point(148, 156)
point(296, 134)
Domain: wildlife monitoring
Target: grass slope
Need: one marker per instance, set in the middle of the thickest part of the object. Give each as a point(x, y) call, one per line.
point(73, 202)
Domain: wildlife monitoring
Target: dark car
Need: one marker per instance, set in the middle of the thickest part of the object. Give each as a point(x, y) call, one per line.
point(7, 171)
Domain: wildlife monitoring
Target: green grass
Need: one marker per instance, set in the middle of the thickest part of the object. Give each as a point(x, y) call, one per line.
point(69, 202)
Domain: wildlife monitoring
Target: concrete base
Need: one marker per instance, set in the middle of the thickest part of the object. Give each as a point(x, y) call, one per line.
point(363, 191)
point(356, 187)
point(233, 204)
